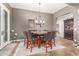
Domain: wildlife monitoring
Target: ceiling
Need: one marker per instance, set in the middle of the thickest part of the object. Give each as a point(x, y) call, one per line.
point(44, 7)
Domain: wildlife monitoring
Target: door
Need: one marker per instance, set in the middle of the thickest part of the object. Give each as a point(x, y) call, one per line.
point(68, 29)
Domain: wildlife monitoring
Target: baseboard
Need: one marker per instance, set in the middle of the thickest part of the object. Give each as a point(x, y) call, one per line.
point(17, 40)
point(1, 47)
point(77, 46)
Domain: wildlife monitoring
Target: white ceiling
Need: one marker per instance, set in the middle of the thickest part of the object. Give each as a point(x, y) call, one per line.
point(44, 7)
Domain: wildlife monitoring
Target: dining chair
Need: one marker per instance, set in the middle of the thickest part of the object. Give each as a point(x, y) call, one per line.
point(25, 35)
point(37, 40)
point(53, 37)
point(30, 41)
point(48, 40)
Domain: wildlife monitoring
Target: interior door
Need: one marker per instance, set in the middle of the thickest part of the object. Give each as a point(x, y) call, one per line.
point(68, 29)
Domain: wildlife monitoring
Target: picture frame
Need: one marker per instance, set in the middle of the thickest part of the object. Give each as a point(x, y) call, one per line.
point(31, 23)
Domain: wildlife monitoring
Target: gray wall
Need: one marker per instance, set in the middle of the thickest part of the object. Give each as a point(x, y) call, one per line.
point(68, 9)
point(20, 20)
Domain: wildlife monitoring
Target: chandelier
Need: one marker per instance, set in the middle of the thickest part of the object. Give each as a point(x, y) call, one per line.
point(39, 20)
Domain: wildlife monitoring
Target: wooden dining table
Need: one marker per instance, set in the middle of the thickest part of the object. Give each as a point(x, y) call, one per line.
point(39, 32)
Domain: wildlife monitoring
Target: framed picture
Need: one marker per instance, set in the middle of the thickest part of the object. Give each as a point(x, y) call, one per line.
point(31, 23)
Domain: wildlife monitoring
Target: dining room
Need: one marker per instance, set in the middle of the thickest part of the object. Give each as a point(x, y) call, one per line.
point(39, 29)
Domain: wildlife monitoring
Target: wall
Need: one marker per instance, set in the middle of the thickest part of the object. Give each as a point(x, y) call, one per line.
point(20, 20)
point(68, 9)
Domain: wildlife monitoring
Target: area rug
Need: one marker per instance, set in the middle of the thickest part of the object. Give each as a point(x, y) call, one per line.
point(22, 51)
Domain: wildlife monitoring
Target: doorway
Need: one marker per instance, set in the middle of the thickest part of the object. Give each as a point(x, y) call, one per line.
point(68, 29)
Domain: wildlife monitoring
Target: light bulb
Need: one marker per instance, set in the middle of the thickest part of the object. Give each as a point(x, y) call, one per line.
point(43, 21)
point(12, 30)
point(36, 21)
point(75, 29)
point(40, 21)
point(16, 34)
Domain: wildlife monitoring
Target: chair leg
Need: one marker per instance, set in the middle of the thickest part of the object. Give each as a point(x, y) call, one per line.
point(51, 46)
point(54, 42)
point(31, 49)
point(24, 42)
point(39, 42)
point(27, 45)
point(46, 50)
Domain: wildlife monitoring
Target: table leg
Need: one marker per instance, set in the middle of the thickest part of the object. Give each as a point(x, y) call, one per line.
point(39, 42)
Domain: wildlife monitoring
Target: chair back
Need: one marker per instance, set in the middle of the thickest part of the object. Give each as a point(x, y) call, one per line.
point(53, 34)
point(48, 36)
point(29, 35)
point(25, 34)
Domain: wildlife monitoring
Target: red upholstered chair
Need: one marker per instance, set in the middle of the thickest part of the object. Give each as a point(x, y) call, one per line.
point(30, 45)
point(48, 41)
point(53, 36)
point(30, 42)
point(35, 39)
point(25, 42)
point(35, 42)
point(25, 39)
point(48, 44)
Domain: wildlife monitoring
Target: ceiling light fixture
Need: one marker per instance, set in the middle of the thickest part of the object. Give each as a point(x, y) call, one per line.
point(39, 20)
